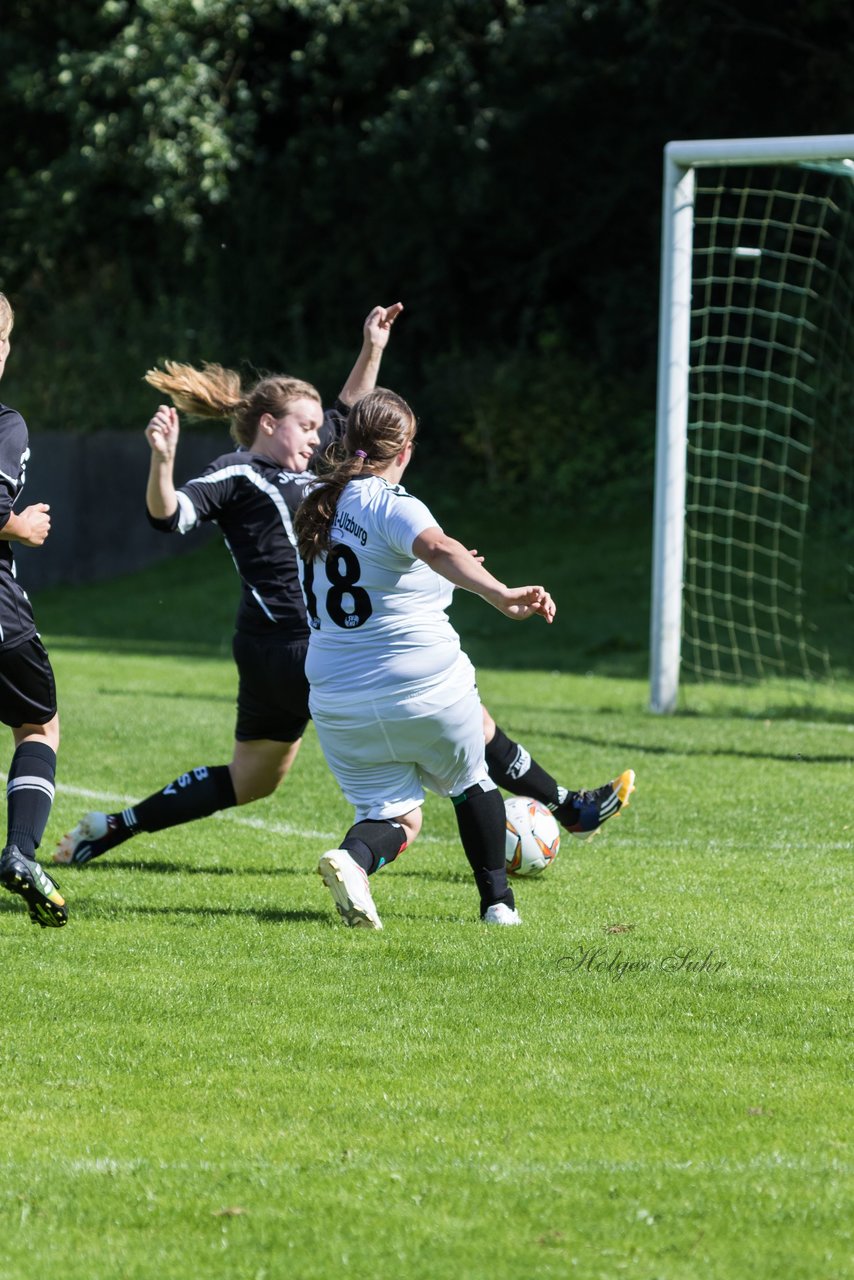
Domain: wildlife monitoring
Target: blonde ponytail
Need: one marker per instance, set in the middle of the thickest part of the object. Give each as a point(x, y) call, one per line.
point(209, 392)
point(216, 392)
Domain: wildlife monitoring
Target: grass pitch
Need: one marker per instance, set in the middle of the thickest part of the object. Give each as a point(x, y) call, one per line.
point(207, 1075)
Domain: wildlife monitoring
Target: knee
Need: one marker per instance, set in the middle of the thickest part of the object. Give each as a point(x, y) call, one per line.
point(252, 786)
point(44, 733)
point(411, 823)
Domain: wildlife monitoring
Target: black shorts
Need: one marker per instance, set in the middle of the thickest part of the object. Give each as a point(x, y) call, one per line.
point(27, 688)
point(272, 695)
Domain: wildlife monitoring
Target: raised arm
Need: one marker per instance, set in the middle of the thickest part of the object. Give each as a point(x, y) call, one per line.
point(453, 561)
point(162, 436)
point(375, 335)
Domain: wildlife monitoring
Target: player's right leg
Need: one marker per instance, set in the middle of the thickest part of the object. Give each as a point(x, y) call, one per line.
point(453, 764)
point(481, 822)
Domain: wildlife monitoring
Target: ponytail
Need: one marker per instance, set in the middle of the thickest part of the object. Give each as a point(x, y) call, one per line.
point(215, 392)
point(209, 392)
point(379, 425)
point(313, 520)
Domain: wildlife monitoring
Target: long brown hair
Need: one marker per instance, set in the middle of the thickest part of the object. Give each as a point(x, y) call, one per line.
point(215, 392)
point(379, 425)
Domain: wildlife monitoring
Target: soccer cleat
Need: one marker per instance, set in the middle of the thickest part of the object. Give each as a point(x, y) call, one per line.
point(81, 844)
point(348, 884)
point(25, 877)
point(500, 913)
point(587, 810)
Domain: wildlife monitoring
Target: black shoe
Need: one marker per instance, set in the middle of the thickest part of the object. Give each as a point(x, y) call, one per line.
point(583, 812)
point(25, 877)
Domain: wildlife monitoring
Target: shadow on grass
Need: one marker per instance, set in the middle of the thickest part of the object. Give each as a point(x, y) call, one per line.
point(824, 715)
point(400, 871)
point(265, 915)
point(179, 868)
point(152, 695)
point(653, 749)
point(270, 915)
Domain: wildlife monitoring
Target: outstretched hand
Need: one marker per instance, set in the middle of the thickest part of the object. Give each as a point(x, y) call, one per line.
point(378, 324)
point(162, 432)
point(520, 603)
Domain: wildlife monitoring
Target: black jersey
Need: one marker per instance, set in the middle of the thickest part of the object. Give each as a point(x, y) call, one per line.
point(16, 614)
point(245, 494)
point(252, 499)
point(334, 422)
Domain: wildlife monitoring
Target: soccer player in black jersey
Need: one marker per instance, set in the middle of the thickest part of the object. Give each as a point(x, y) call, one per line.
point(278, 426)
point(27, 690)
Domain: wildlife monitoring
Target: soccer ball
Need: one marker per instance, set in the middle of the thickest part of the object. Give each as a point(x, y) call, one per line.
point(533, 836)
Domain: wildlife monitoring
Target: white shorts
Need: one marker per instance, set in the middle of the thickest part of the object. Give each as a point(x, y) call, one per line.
point(384, 754)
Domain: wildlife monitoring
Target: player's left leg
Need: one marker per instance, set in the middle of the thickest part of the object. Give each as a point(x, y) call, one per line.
point(514, 769)
point(256, 769)
point(272, 713)
point(582, 813)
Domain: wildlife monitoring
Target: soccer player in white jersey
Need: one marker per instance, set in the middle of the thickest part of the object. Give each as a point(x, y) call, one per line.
point(393, 697)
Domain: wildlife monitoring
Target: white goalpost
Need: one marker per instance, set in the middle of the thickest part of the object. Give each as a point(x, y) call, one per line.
point(754, 399)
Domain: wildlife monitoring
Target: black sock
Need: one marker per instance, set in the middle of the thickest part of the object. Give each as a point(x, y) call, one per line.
point(512, 768)
point(196, 794)
point(29, 794)
point(480, 818)
point(567, 811)
point(374, 843)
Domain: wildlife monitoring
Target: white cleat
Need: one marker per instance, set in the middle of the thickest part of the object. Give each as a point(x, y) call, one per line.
point(77, 844)
point(500, 913)
point(348, 884)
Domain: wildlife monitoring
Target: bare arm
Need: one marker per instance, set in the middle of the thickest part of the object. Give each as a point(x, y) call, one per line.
point(162, 436)
point(453, 561)
point(30, 526)
point(375, 335)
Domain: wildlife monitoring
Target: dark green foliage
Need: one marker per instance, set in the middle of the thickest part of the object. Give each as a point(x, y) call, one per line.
point(240, 182)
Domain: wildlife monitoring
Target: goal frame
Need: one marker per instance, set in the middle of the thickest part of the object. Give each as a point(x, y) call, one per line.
point(681, 159)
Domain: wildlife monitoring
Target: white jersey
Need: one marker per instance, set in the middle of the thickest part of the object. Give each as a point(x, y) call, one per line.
point(377, 612)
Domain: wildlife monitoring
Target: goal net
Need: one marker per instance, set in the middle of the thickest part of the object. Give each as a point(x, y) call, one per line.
point(754, 480)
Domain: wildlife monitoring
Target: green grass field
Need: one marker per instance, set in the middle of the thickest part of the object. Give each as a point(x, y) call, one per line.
point(207, 1075)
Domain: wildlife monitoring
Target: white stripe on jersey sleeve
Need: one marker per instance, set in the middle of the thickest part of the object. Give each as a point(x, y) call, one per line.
point(187, 518)
point(248, 473)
